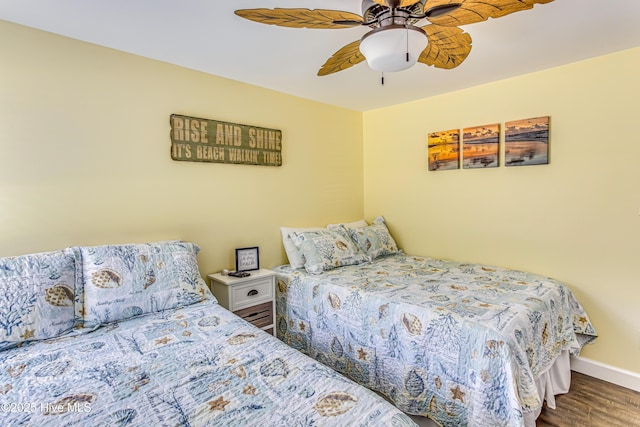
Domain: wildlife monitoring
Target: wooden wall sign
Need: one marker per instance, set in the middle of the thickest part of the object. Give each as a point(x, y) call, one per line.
point(203, 140)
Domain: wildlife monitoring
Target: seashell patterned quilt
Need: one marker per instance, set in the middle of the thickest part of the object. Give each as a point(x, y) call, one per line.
point(460, 343)
point(196, 365)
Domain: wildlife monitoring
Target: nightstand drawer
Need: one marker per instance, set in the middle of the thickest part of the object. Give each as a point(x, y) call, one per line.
point(260, 315)
point(252, 293)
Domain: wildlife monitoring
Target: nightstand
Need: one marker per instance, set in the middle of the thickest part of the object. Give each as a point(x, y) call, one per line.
point(252, 297)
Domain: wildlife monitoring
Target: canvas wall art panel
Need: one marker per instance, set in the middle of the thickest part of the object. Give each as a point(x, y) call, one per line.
point(527, 142)
point(480, 145)
point(444, 150)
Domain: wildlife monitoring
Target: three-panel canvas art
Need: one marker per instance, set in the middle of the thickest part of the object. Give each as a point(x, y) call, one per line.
point(526, 142)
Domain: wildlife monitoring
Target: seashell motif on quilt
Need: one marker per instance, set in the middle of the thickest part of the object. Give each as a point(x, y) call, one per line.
point(131, 311)
point(16, 370)
point(239, 371)
point(209, 321)
point(69, 403)
point(274, 368)
point(122, 417)
point(282, 326)
point(282, 286)
point(334, 300)
point(438, 382)
point(335, 403)
point(106, 278)
point(6, 388)
point(412, 324)
point(60, 295)
point(149, 278)
point(241, 338)
point(336, 347)
point(413, 383)
point(250, 390)
point(433, 405)
point(341, 245)
point(545, 333)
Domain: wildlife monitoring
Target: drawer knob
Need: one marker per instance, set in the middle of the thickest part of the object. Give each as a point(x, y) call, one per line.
point(252, 292)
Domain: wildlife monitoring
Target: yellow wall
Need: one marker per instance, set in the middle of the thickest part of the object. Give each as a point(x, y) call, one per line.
point(575, 219)
point(85, 155)
point(84, 159)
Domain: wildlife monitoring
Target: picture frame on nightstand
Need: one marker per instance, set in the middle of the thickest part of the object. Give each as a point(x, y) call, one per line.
point(247, 259)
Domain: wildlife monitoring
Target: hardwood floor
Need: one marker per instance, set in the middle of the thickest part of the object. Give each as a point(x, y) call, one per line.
point(593, 403)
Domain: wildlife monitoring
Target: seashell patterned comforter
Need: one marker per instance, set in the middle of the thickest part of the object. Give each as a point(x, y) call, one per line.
point(459, 343)
point(193, 366)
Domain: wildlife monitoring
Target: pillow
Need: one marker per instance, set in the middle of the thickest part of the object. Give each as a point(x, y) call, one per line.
point(295, 258)
point(122, 281)
point(374, 240)
point(326, 249)
point(37, 297)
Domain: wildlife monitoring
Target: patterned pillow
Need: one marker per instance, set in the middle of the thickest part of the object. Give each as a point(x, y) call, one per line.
point(296, 260)
point(326, 249)
point(37, 297)
point(293, 254)
point(122, 281)
point(374, 240)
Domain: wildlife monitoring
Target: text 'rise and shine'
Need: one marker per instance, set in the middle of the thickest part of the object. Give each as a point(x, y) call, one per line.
point(229, 143)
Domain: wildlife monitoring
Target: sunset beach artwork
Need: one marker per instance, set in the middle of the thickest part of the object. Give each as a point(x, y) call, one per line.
point(480, 146)
point(527, 142)
point(444, 150)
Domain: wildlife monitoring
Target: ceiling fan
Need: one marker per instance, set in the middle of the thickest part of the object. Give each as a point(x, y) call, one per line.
point(395, 43)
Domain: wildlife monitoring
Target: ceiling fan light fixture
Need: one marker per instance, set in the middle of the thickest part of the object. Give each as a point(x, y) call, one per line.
point(393, 47)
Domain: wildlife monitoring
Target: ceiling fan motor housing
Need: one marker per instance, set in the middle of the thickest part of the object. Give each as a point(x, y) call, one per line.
point(394, 44)
point(393, 47)
point(377, 14)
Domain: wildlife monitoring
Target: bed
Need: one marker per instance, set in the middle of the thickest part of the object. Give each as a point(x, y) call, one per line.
point(462, 344)
point(129, 335)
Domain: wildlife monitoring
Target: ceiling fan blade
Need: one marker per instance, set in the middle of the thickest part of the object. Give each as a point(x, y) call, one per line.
point(443, 9)
point(346, 57)
point(447, 48)
point(348, 22)
point(472, 11)
point(302, 18)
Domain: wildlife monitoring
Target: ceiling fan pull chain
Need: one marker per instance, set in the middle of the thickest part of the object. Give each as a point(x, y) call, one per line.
point(407, 43)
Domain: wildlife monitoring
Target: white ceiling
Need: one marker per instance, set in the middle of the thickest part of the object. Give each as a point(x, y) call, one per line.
point(206, 35)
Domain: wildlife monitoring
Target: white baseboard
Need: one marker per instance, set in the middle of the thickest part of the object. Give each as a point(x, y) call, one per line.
point(621, 377)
